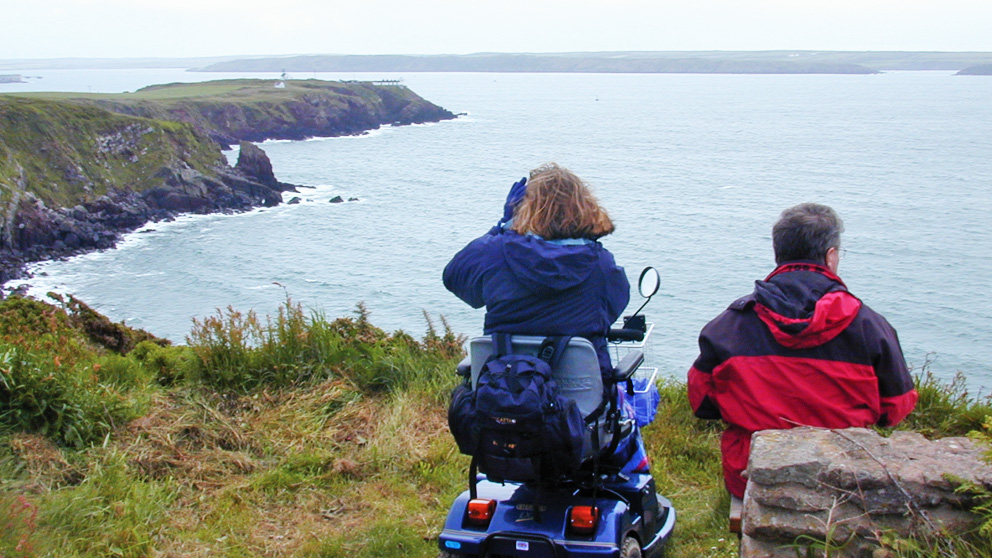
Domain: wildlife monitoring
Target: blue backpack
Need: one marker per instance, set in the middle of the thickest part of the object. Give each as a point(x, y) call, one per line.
point(515, 424)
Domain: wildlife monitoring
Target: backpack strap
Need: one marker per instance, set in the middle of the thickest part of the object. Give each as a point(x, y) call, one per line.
point(551, 350)
point(473, 469)
point(502, 344)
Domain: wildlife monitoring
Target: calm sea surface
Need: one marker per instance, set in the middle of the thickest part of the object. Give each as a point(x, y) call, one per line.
point(693, 168)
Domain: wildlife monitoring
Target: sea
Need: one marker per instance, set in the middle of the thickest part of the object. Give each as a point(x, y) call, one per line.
point(693, 168)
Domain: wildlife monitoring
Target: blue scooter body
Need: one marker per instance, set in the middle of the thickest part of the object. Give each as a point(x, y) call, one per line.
point(627, 507)
point(532, 522)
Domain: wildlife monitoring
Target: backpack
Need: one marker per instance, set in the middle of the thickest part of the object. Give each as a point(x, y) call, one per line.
point(515, 424)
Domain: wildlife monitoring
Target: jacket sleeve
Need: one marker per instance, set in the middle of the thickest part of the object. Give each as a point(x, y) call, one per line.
point(895, 384)
point(464, 274)
point(702, 395)
point(617, 289)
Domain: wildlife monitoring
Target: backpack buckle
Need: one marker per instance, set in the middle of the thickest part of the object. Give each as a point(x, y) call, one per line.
point(547, 352)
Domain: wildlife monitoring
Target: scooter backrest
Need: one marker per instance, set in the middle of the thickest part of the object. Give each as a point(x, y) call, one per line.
point(577, 373)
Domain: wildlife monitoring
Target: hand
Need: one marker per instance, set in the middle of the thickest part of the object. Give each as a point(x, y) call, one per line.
point(516, 194)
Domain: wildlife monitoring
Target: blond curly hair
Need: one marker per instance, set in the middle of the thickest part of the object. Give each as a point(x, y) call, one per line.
point(559, 205)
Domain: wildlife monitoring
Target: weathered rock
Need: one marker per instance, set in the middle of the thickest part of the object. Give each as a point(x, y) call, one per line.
point(37, 232)
point(337, 199)
point(253, 162)
point(849, 485)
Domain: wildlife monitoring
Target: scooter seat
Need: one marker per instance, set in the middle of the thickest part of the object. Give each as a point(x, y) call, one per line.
point(576, 373)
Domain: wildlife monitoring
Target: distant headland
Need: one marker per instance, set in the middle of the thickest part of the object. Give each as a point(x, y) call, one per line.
point(77, 169)
point(976, 70)
point(702, 61)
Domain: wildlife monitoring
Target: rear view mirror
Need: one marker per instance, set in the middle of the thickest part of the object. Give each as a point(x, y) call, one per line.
point(649, 283)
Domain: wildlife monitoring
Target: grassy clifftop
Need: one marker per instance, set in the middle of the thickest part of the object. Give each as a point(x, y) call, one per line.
point(254, 110)
point(295, 436)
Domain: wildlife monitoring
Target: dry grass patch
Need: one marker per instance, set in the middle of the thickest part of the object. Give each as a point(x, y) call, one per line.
point(43, 465)
point(185, 438)
point(327, 415)
point(408, 430)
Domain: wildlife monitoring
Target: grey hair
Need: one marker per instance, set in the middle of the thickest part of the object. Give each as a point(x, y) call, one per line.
point(806, 232)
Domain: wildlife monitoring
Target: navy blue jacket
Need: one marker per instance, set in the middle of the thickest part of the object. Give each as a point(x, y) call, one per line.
point(535, 287)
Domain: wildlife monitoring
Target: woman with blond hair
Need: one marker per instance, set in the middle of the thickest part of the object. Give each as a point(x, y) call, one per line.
point(541, 270)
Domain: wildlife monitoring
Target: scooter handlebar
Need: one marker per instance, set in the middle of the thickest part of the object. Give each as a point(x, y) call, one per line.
point(625, 335)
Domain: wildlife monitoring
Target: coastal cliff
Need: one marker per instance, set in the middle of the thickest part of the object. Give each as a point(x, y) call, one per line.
point(236, 110)
point(77, 170)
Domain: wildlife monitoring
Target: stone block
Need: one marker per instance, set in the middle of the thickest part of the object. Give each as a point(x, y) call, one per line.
point(848, 485)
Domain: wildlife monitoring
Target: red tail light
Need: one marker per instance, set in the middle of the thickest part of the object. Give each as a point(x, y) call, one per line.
point(480, 511)
point(583, 519)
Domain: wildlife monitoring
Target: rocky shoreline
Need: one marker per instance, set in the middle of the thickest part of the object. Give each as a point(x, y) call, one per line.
point(76, 174)
point(45, 233)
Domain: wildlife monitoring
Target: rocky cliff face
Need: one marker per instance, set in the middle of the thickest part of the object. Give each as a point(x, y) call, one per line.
point(77, 170)
point(73, 178)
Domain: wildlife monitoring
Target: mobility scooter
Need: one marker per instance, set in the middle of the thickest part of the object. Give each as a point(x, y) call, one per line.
point(595, 511)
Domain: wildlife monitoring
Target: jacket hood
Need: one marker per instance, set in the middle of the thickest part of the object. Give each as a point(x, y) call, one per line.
point(804, 305)
point(543, 267)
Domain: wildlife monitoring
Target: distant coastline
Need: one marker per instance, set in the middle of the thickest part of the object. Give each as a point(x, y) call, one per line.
point(11, 78)
point(725, 62)
point(629, 63)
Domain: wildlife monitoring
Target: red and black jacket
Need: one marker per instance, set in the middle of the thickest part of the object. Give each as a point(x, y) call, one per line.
point(799, 351)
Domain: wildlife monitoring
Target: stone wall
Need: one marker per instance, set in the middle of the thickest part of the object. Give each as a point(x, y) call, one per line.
point(851, 486)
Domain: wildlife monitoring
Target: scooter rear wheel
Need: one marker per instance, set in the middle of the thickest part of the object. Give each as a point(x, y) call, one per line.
point(630, 549)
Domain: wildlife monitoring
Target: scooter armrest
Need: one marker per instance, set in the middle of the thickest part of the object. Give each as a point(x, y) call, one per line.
point(627, 366)
point(464, 368)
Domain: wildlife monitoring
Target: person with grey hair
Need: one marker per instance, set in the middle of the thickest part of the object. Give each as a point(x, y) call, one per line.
point(798, 351)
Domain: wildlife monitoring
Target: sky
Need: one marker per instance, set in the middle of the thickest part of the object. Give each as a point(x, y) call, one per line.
point(195, 28)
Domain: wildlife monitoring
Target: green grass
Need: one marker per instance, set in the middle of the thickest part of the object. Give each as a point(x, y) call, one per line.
point(218, 89)
point(291, 435)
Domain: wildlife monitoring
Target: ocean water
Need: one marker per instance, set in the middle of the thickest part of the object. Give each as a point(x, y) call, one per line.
point(694, 169)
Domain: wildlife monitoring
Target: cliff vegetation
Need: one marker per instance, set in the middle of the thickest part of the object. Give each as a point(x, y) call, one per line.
point(289, 435)
point(67, 153)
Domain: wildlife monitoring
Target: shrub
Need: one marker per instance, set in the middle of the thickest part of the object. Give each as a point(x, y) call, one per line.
point(101, 330)
point(121, 372)
point(168, 365)
point(236, 351)
point(111, 513)
point(42, 329)
point(223, 345)
point(18, 525)
point(68, 404)
point(946, 408)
